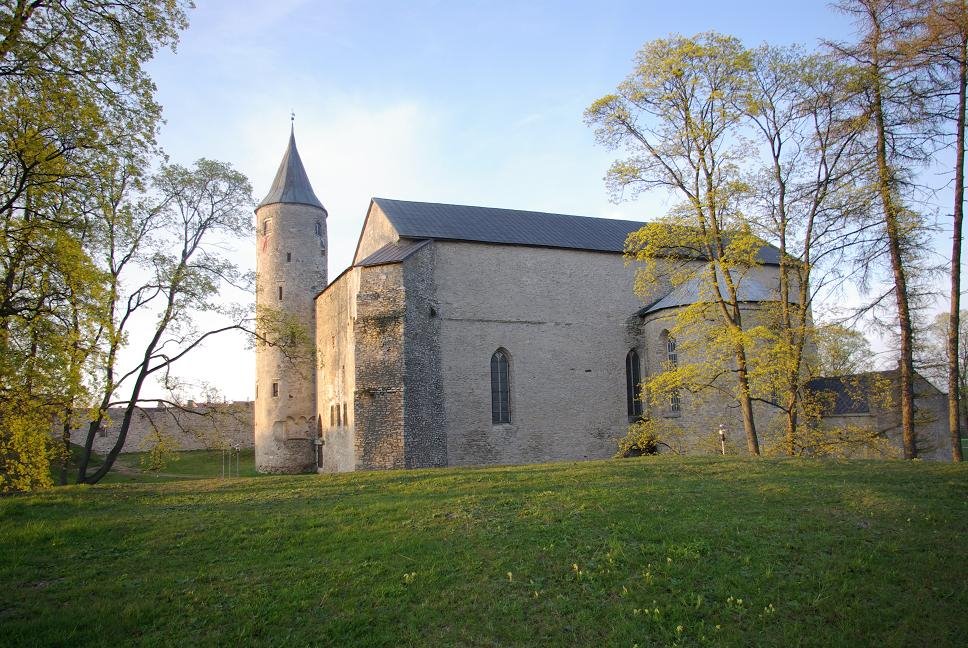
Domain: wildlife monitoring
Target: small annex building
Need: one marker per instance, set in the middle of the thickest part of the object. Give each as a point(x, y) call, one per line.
point(459, 336)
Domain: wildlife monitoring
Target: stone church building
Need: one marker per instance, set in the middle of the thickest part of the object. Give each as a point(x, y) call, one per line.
point(458, 336)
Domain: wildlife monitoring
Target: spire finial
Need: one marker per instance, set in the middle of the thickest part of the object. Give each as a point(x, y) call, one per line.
point(292, 121)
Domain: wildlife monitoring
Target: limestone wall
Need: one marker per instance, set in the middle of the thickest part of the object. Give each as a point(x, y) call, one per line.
point(291, 269)
point(336, 372)
point(695, 427)
point(202, 426)
point(562, 316)
point(930, 416)
point(377, 232)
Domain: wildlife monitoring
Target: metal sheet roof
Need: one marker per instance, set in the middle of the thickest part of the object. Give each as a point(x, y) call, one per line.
point(421, 220)
point(291, 184)
point(393, 252)
point(510, 226)
point(752, 288)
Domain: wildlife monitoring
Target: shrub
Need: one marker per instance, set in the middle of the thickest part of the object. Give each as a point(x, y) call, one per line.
point(642, 439)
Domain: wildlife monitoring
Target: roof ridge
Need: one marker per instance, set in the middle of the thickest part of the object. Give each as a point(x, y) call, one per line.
point(377, 199)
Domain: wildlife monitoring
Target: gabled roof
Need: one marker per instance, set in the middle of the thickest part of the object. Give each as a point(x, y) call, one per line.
point(393, 253)
point(291, 184)
point(419, 220)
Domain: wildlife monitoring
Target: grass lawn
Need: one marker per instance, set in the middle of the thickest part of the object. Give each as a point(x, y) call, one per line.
point(187, 464)
point(190, 464)
point(650, 551)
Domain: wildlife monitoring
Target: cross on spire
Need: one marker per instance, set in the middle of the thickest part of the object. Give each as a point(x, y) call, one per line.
point(292, 120)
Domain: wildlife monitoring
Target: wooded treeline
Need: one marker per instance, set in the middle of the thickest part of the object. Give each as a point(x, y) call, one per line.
point(824, 154)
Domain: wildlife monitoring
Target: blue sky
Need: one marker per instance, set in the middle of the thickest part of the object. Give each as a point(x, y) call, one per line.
point(465, 102)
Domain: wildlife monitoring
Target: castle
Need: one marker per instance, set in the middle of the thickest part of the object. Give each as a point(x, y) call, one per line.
point(464, 336)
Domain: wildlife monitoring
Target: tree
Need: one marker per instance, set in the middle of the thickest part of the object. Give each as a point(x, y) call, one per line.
point(77, 100)
point(803, 199)
point(175, 238)
point(941, 49)
point(933, 356)
point(676, 113)
point(887, 102)
point(842, 351)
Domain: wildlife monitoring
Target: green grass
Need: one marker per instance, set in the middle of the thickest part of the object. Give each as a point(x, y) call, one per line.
point(652, 551)
point(188, 464)
point(191, 464)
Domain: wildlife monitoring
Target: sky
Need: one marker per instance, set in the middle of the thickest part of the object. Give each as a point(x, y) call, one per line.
point(454, 101)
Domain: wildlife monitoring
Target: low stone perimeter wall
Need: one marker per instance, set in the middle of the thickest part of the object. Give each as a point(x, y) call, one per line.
point(198, 426)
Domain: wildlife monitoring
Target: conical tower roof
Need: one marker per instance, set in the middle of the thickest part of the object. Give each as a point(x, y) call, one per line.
point(291, 184)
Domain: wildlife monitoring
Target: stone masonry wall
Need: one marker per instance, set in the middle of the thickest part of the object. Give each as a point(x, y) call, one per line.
point(203, 426)
point(695, 428)
point(377, 232)
point(930, 415)
point(562, 317)
point(336, 372)
point(425, 436)
point(378, 331)
point(290, 271)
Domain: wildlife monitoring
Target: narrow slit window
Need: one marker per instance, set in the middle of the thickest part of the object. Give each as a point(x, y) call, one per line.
point(346, 419)
point(280, 293)
point(332, 417)
point(275, 390)
point(500, 388)
point(265, 227)
point(319, 228)
point(339, 421)
point(288, 257)
point(633, 377)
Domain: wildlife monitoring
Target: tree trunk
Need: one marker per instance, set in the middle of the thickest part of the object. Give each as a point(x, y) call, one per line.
point(954, 317)
point(885, 187)
point(791, 430)
point(746, 403)
point(66, 440)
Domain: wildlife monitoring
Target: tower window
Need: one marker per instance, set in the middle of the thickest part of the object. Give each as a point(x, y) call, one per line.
point(265, 227)
point(346, 419)
point(339, 421)
point(332, 416)
point(500, 388)
point(275, 390)
point(280, 293)
point(319, 228)
point(288, 257)
point(633, 377)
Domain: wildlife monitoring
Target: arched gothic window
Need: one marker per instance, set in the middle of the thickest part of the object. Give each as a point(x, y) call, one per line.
point(672, 356)
point(500, 388)
point(633, 377)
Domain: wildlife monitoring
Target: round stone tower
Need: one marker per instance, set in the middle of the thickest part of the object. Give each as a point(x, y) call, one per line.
point(290, 271)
